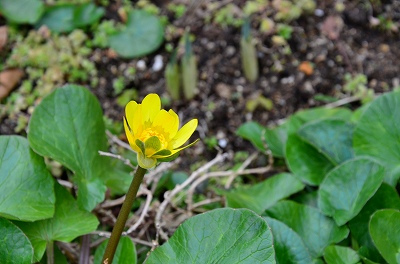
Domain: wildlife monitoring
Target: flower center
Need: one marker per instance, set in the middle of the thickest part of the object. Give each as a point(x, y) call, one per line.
point(150, 132)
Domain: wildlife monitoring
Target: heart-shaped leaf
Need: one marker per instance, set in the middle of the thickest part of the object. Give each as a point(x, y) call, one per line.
point(385, 197)
point(265, 194)
point(385, 232)
point(22, 11)
point(143, 34)
point(254, 132)
point(68, 127)
point(340, 255)
point(307, 222)
point(348, 187)
point(15, 245)
point(26, 186)
point(332, 137)
point(305, 161)
point(219, 236)
point(289, 247)
point(68, 222)
point(377, 134)
point(125, 253)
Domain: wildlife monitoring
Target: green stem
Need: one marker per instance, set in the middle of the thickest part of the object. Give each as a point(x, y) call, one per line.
point(50, 252)
point(123, 216)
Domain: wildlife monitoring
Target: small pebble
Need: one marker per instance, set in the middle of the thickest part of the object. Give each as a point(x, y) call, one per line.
point(319, 12)
point(222, 143)
point(141, 65)
point(158, 63)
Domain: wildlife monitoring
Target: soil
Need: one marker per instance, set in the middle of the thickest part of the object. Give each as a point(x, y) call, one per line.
point(334, 43)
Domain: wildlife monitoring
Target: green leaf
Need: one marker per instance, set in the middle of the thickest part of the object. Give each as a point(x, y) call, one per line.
point(305, 161)
point(289, 247)
point(67, 17)
point(26, 186)
point(15, 245)
point(68, 223)
point(377, 134)
point(316, 230)
point(142, 35)
point(348, 187)
point(253, 132)
point(68, 127)
point(59, 18)
point(385, 197)
point(276, 139)
point(22, 11)
point(87, 14)
point(319, 113)
point(340, 255)
point(263, 195)
point(125, 253)
point(385, 232)
point(332, 137)
point(219, 236)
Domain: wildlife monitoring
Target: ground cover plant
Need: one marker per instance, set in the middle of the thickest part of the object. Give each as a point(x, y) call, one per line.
point(296, 105)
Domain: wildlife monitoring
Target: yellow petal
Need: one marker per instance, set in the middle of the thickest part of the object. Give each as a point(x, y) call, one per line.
point(184, 133)
point(151, 105)
point(128, 133)
point(167, 122)
point(175, 123)
point(133, 113)
point(144, 162)
point(173, 152)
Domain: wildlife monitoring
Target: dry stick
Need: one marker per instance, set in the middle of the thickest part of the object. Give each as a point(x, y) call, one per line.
point(206, 201)
point(241, 168)
point(169, 195)
point(144, 211)
point(136, 240)
point(115, 156)
point(189, 198)
point(116, 140)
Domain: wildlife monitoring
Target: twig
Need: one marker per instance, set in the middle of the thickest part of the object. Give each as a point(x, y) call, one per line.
point(189, 198)
point(241, 168)
point(343, 101)
point(136, 240)
point(115, 156)
point(169, 195)
point(206, 201)
point(116, 140)
point(65, 183)
point(144, 211)
point(112, 203)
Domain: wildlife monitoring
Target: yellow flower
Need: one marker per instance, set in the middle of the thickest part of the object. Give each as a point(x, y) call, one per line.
point(153, 132)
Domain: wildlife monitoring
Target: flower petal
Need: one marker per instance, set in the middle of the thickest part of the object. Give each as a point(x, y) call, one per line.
point(151, 105)
point(175, 123)
point(184, 133)
point(132, 113)
point(146, 163)
point(167, 122)
point(182, 148)
point(130, 137)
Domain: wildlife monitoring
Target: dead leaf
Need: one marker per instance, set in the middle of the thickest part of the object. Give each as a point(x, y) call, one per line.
point(306, 67)
point(8, 80)
point(332, 26)
point(3, 36)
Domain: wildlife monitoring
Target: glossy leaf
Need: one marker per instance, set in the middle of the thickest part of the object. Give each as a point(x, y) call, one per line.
point(68, 223)
point(15, 246)
point(276, 139)
point(68, 127)
point(67, 17)
point(219, 236)
point(316, 230)
point(306, 162)
point(348, 187)
point(385, 197)
point(385, 232)
point(289, 247)
point(143, 34)
point(26, 186)
point(22, 11)
point(377, 134)
point(263, 195)
point(340, 255)
point(254, 132)
point(125, 253)
point(332, 137)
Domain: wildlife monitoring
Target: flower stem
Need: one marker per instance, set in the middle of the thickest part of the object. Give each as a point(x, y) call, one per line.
point(123, 216)
point(50, 252)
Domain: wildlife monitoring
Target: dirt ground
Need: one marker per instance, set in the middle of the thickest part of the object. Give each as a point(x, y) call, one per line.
point(334, 43)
